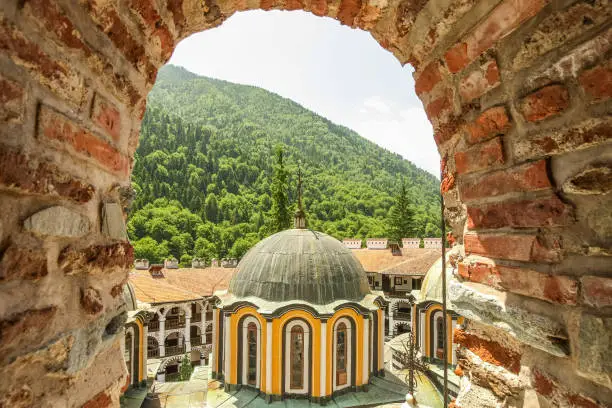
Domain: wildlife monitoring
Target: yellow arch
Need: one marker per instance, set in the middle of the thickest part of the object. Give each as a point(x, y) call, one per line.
point(358, 319)
point(449, 330)
point(234, 320)
point(278, 326)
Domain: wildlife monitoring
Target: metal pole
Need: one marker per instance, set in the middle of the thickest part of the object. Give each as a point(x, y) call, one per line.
point(444, 326)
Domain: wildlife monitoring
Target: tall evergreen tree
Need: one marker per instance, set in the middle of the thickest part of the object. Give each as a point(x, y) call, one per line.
point(401, 223)
point(281, 219)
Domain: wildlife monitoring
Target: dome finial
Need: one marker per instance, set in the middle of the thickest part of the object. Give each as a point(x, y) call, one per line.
point(299, 219)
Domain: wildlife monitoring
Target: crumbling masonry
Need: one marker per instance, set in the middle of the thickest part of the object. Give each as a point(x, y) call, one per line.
point(519, 94)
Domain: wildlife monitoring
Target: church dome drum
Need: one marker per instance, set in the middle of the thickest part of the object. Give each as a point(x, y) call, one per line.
point(300, 264)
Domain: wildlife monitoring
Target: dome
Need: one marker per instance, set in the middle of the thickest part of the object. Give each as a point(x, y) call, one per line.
point(431, 289)
point(300, 264)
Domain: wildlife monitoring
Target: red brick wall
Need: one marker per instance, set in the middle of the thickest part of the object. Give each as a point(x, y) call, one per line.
point(518, 93)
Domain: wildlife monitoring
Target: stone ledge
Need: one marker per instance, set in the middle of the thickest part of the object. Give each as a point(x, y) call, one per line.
point(491, 307)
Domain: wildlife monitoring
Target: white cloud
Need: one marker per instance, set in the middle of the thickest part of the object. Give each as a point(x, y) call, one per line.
point(377, 104)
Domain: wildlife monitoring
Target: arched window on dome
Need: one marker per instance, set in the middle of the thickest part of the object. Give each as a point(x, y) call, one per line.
point(440, 332)
point(341, 354)
point(249, 346)
point(252, 354)
point(297, 358)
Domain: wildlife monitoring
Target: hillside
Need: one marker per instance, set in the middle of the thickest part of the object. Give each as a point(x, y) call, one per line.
point(204, 165)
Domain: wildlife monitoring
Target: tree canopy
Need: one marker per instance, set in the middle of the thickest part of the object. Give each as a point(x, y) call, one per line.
point(205, 182)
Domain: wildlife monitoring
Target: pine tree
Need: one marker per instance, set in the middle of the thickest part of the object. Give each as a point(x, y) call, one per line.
point(186, 368)
point(401, 223)
point(281, 218)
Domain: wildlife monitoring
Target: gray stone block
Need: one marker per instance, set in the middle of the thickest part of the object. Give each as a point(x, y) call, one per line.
point(57, 221)
point(113, 224)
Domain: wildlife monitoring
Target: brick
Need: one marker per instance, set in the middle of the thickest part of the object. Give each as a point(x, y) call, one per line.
point(596, 291)
point(526, 282)
point(444, 131)
point(155, 25)
point(584, 135)
point(57, 127)
point(597, 82)
point(526, 247)
point(479, 157)
point(447, 183)
point(503, 20)
point(522, 178)
point(439, 106)
point(543, 384)
point(480, 81)
point(480, 272)
point(560, 28)
point(542, 212)
point(48, 14)
point(23, 263)
point(108, 21)
point(100, 400)
point(11, 101)
point(489, 351)
point(504, 246)
point(91, 301)
point(96, 258)
point(593, 180)
point(26, 331)
point(551, 288)
point(349, 9)
point(25, 174)
point(178, 16)
point(545, 102)
point(492, 122)
point(428, 78)
point(580, 401)
point(107, 116)
point(50, 72)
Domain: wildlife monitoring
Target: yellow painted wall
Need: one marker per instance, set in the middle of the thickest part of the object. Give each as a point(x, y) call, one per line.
point(428, 333)
point(358, 356)
point(235, 318)
point(141, 356)
point(278, 325)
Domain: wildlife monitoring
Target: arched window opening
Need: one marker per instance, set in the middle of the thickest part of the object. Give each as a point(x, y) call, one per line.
point(440, 333)
point(297, 358)
point(341, 376)
point(252, 354)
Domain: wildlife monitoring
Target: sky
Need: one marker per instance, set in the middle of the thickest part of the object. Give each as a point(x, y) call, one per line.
point(338, 72)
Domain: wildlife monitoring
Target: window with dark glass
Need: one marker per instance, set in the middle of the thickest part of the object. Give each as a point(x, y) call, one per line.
point(440, 334)
point(398, 280)
point(252, 354)
point(341, 354)
point(297, 358)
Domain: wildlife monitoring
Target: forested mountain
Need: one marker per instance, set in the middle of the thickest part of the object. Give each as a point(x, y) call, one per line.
point(203, 171)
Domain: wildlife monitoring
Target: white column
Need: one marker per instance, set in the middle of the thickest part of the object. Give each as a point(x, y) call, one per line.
point(188, 333)
point(366, 350)
point(391, 322)
point(226, 348)
point(422, 329)
point(213, 360)
point(323, 359)
point(161, 377)
point(269, 357)
point(162, 337)
point(203, 324)
point(145, 347)
point(381, 339)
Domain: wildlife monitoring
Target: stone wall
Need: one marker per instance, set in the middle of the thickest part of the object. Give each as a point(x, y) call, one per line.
point(518, 92)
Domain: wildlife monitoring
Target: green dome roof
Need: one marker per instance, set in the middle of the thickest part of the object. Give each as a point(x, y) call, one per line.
point(300, 264)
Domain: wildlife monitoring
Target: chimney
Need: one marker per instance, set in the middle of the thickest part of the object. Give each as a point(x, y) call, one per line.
point(141, 264)
point(411, 242)
point(432, 243)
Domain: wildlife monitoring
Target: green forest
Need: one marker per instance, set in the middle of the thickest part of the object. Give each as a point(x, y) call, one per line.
point(205, 167)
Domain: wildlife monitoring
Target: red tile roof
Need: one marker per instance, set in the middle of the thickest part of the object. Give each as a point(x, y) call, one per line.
point(413, 261)
point(177, 285)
